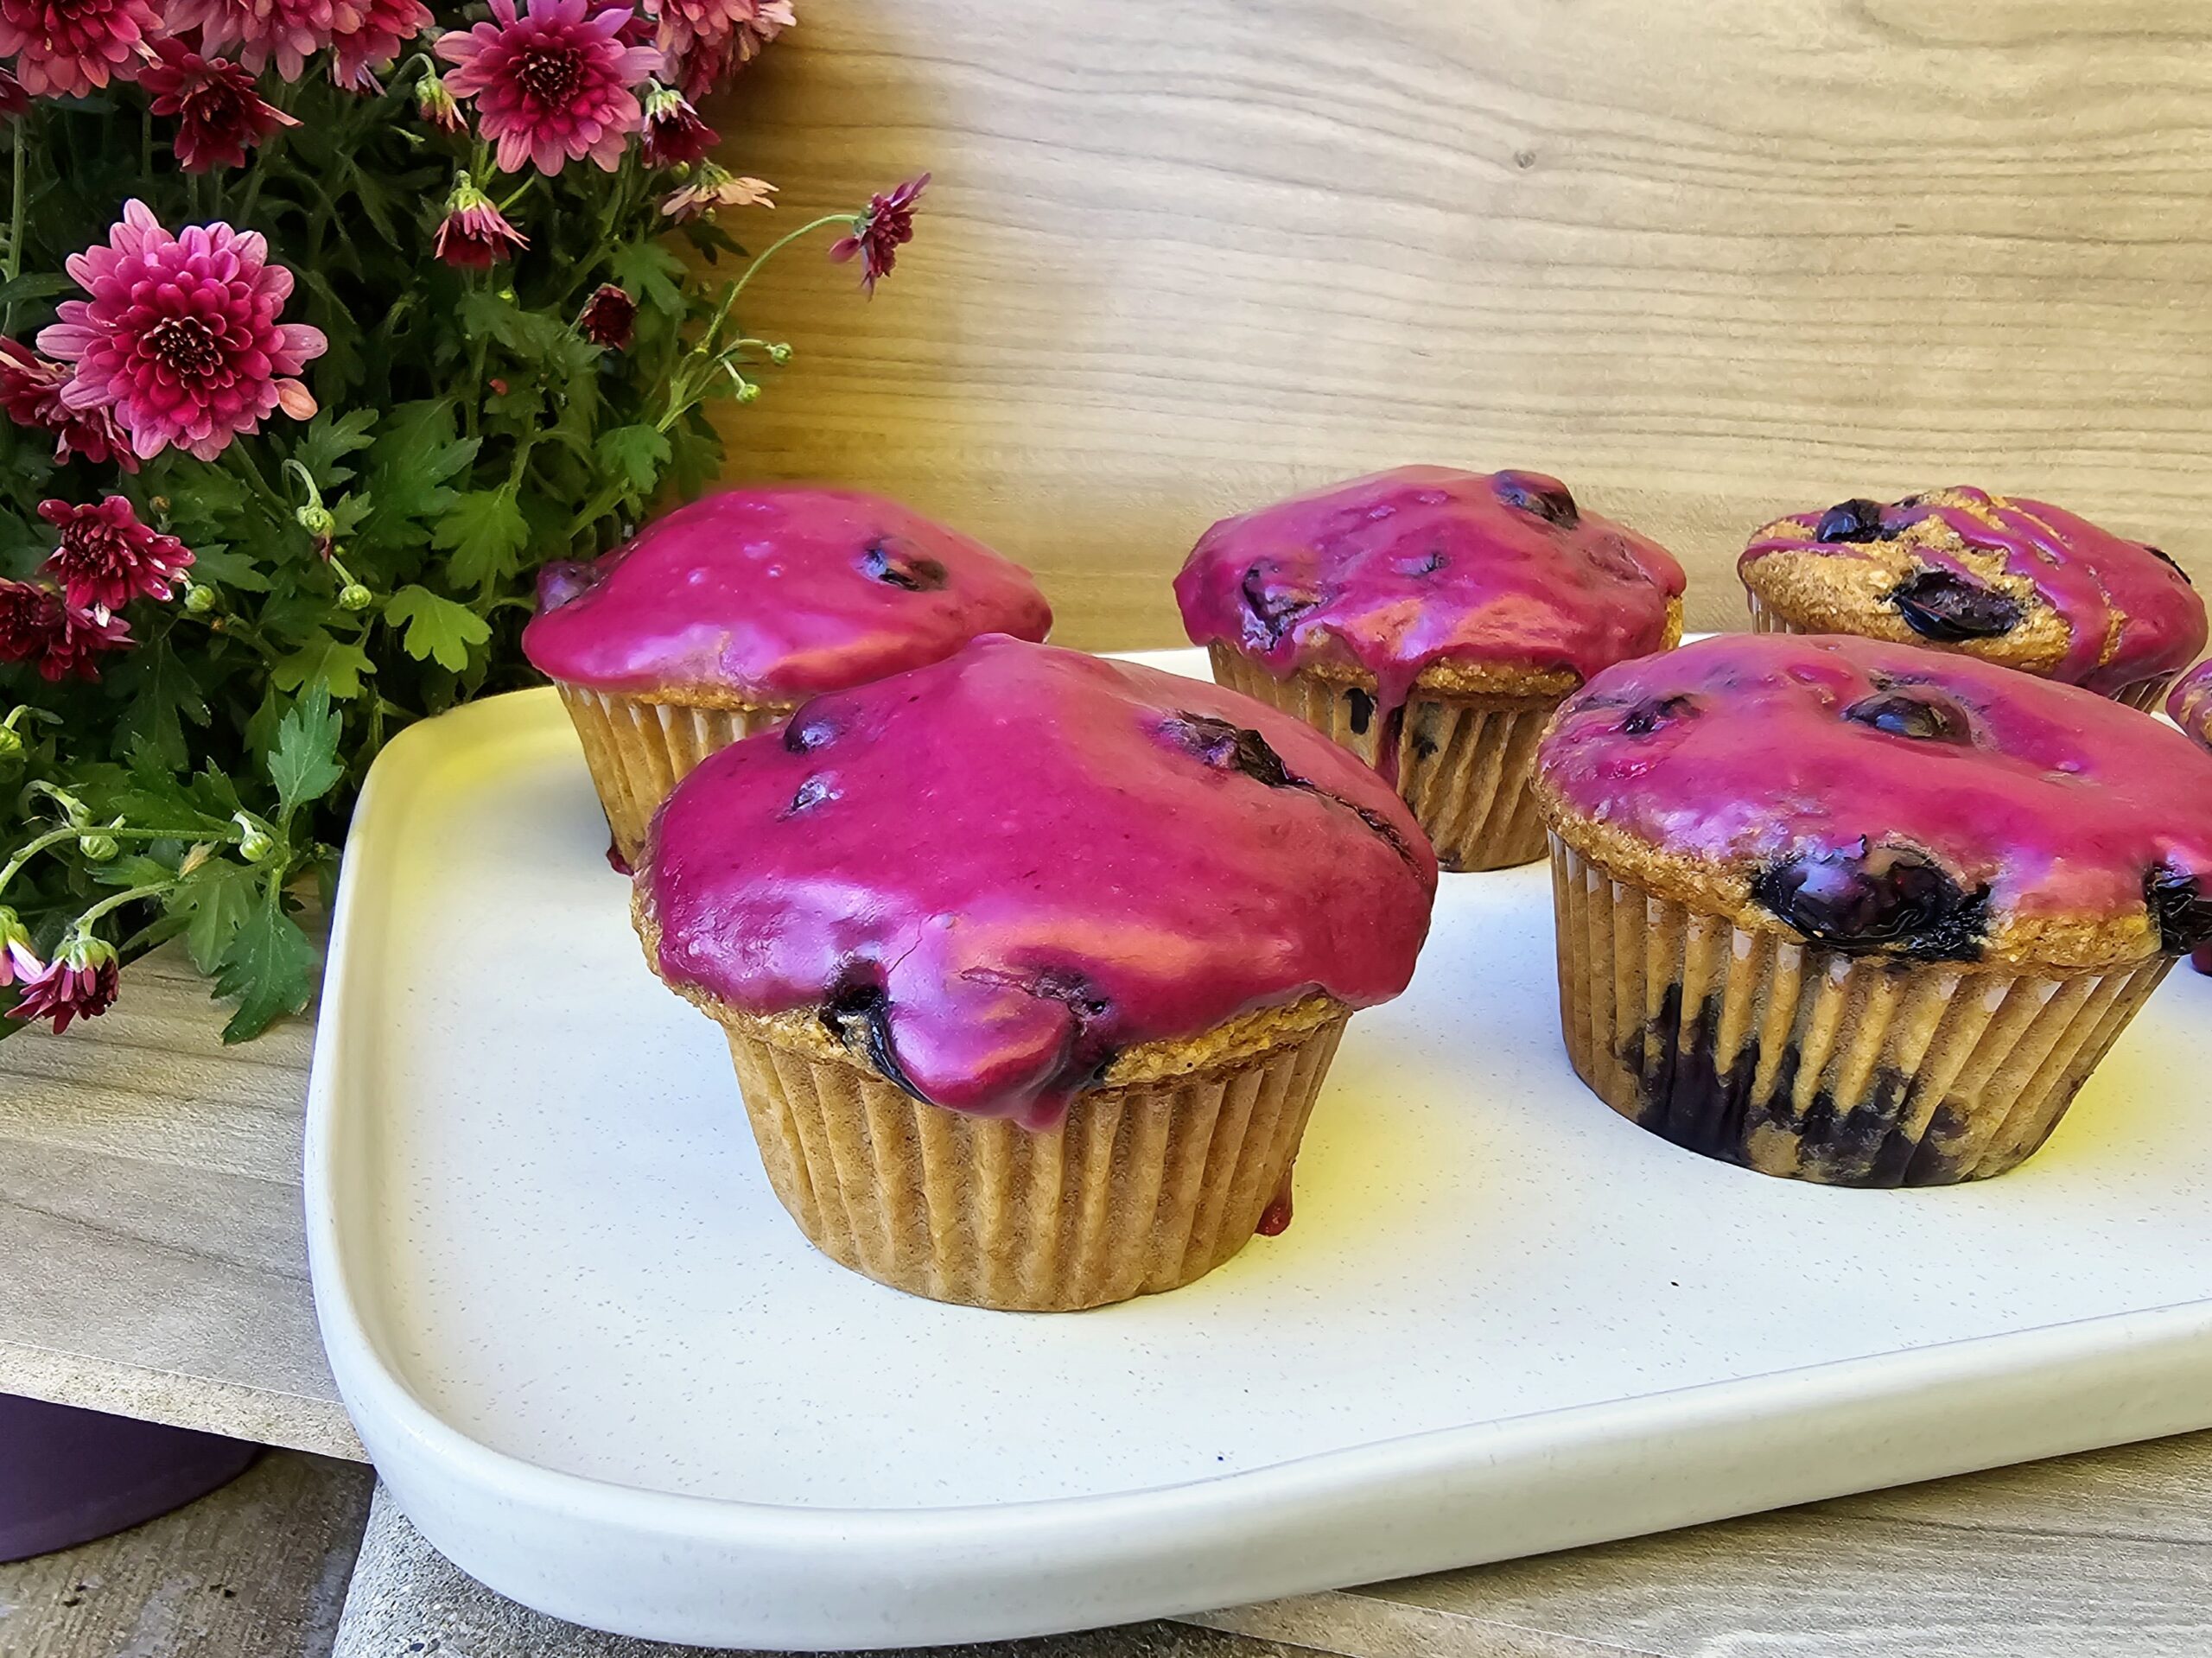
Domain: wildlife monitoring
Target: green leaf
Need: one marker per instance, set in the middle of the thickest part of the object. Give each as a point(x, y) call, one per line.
point(33, 285)
point(335, 664)
point(304, 764)
point(163, 696)
point(267, 967)
point(530, 334)
point(228, 567)
point(438, 630)
point(330, 441)
point(652, 272)
point(638, 452)
point(214, 903)
point(485, 532)
point(410, 466)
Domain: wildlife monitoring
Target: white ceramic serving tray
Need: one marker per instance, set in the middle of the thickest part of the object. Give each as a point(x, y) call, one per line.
point(601, 1369)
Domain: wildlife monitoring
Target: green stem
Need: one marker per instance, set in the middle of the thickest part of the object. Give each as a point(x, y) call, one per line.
point(55, 837)
point(770, 252)
point(19, 147)
point(115, 901)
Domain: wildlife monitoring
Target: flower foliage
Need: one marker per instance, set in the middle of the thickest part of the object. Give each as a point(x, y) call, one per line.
point(313, 345)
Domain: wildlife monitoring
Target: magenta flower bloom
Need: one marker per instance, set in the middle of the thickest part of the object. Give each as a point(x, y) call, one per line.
point(107, 557)
point(609, 318)
point(181, 338)
point(289, 31)
point(66, 47)
point(36, 627)
point(709, 60)
point(553, 84)
point(18, 961)
point(879, 233)
point(474, 235)
point(30, 392)
point(81, 982)
point(219, 114)
point(367, 34)
point(674, 136)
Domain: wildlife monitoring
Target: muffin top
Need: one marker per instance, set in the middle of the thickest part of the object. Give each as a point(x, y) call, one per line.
point(2190, 703)
point(2005, 579)
point(996, 873)
point(1883, 799)
point(775, 592)
point(1497, 581)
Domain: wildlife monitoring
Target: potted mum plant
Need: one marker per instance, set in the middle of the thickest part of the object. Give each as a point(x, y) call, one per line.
point(322, 324)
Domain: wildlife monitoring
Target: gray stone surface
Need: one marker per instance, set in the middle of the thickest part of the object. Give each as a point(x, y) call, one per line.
point(256, 1569)
point(409, 1601)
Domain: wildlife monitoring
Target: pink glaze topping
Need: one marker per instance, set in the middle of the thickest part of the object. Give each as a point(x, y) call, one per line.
point(999, 871)
point(2190, 703)
point(1423, 564)
point(776, 592)
point(1819, 753)
point(2130, 613)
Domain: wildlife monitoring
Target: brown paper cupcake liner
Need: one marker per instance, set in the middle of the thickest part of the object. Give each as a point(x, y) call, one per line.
point(2149, 695)
point(1465, 763)
point(638, 751)
point(1803, 1062)
point(1142, 1188)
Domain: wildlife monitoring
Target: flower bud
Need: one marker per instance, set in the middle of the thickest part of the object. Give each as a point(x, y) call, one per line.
point(100, 847)
point(255, 841)
point(354, 596)
point(747, 391)
point(11, 743)
point(198, 599)
point(315, 518)
point(780, 353)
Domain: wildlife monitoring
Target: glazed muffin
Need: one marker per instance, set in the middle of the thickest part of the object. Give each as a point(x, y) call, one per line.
point(1856, 912)
point(718, 619)
point(2190, 707)
point(1031, 963)
point(2008, 580)
point(1430, 620)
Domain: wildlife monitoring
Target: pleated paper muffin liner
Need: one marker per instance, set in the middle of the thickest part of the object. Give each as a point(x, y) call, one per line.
point(2148, 694)
point(1465, 762)
point(1806, 1063)
point(638, 750)
point(1142, 1188)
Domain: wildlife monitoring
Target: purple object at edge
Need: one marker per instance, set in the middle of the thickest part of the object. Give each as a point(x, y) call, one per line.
point(67, 1476)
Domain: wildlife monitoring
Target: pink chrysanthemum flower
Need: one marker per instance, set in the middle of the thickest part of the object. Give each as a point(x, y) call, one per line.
point(107, 557)
point(64, 48)
point(82, 981)
point(706, 64)
point(18, 961)
point(288, 31)
point(434, 103)
point(714, 187)
point(474, 235)
point(879, 233)
point(609, 318)
point(181, 338)
point(37, 628)
point(681, 24)
point(30, 392)
point(553, 84)
point(673, 135)
point(365, 37)
point(219, 115)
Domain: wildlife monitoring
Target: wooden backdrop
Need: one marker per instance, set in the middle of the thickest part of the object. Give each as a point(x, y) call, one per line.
point(1709, 260)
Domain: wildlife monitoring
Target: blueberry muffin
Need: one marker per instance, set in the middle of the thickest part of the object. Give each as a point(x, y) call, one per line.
point(1031, 963)
point(2008, 580)
point(2191, 705)
point(1430, 620)
point(716, 619)
point(1861, 913)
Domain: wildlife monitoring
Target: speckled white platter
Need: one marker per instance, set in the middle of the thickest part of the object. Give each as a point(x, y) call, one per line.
point(601, 1371)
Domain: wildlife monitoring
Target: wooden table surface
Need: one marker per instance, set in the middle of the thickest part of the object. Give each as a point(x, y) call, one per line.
point(152, 1262)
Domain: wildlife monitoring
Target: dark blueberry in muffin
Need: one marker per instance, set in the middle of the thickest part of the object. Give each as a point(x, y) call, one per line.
point(1545, 497)
point(1228, 747)
point(1947, 608)
point(858, 1011)
point(1908, 713)
point(1647, 717)
point(2179, 906)
point(2169, 561)
point(1275, 609)
point(1856, 519)
point(1880, 898)
point(808, 732)
point(889, 562)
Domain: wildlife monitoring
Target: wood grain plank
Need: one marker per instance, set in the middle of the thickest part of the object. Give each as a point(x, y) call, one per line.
point(1707, 263)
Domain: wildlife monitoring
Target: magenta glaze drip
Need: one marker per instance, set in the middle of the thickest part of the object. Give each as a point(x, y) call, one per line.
point(1425, 564)
point(2095, 580)
point(2189, 703)
point(776, 592)
point(1736, 749)
point(1023, 860)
